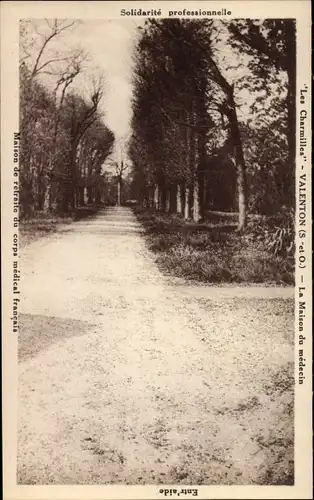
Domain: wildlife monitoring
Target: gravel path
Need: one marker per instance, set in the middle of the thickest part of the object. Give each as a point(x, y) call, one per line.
point(129, 377)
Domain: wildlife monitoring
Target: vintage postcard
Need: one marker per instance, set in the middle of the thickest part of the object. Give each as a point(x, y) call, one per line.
point(156, 249)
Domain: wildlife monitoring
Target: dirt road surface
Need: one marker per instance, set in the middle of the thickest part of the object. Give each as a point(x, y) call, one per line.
point(127, 376)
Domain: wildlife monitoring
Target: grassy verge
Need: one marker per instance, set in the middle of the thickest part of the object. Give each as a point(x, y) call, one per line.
point(277, 441)
point(41, 224)
point(212, 252)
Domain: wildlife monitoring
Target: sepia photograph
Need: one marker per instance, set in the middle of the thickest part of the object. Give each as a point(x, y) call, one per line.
point(155, 249)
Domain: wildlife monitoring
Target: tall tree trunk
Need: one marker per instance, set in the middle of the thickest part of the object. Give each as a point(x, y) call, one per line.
point(119, 193)
point(156, 196)
point(47, 180)
point(179, 199)
point(48, 196)
point(81, 196)
point(202, 193)
point(239, 161)
point(183, 197)
point(151, 196)
point(201, 149)
point(85, 195)
point(168, 200)
point(196, 201)
point(196, 168)
point(187, 202)
point(98, 195)
point(70, 196)
point(230, 112)
point(90, 195)
point(160, 199)
point(40, 185)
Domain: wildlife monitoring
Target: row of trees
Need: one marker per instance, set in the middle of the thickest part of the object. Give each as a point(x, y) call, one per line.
point(190, 145)
point(64, 141)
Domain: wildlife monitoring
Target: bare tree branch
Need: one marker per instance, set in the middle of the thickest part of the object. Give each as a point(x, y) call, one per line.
point(56, 29)
point(58, 59)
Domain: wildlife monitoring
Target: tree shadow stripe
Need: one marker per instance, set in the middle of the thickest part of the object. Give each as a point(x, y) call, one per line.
point(38, 332)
